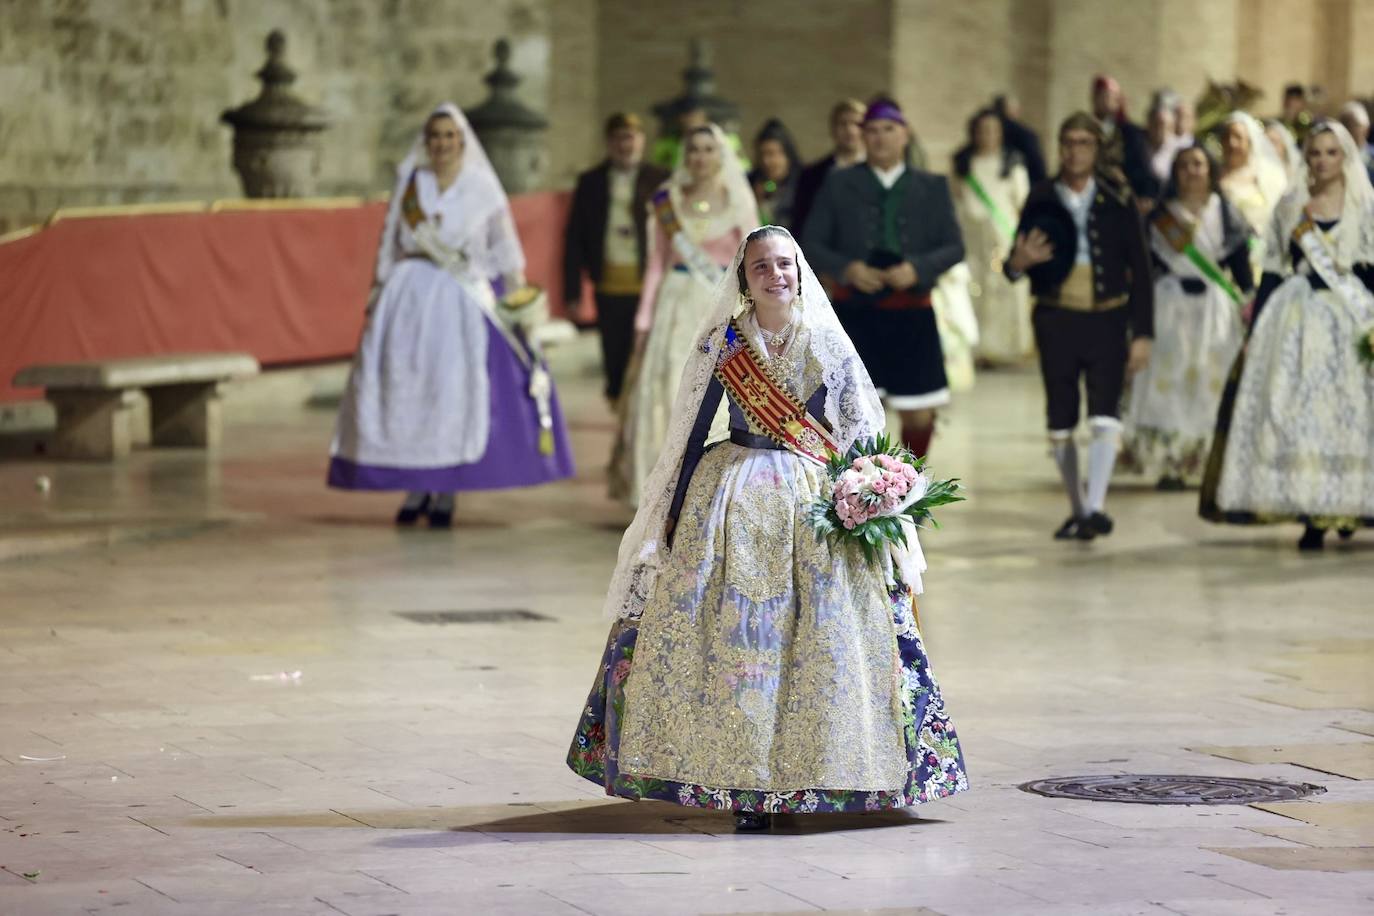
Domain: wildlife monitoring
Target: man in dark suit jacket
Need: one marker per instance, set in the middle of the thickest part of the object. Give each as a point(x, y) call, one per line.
point(883, 233)
point(847, 133)
point(606, 240)
point(1082, 242)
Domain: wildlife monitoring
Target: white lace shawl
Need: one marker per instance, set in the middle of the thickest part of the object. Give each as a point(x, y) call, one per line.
point(1353, 235)
point(852, 409)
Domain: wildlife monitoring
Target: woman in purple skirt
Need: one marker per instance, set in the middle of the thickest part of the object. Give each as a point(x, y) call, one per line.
point(447, 392)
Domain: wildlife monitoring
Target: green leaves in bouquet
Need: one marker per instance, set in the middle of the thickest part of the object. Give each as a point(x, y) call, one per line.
point(874, 535)
point(1364, 345)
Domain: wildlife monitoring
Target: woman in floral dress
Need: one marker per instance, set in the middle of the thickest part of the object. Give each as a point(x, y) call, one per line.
point(751, 667)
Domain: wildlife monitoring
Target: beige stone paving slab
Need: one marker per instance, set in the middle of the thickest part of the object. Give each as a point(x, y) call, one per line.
point(946, 895)
point(884, 911)
point(1364, 728)
point(1311, 700)
point(1295, 905)
point(1354, 760)
point(1044, 666)
point(1324, 814)
point(1322, 836)
point(123, 895)
point(1326, 858)
point(505, 901)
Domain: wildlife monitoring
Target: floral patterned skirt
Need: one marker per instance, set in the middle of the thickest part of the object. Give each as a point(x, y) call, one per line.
point(934, 760)
point(1172, 406)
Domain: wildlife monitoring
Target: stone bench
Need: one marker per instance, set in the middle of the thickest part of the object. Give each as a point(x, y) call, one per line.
point(95, 401)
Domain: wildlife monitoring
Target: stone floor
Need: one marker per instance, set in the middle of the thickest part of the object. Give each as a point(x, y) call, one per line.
point(210, 705)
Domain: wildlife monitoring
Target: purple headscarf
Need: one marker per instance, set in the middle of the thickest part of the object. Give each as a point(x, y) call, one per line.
point(883, 109)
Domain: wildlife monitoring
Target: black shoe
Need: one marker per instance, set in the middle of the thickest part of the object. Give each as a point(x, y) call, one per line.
point(1345, 533)
point(408, 516)
point(1075, 529)
point(749, 822)
point(1312, 538)
point(441, 518)
point(1169, 484)
point(1101, 523)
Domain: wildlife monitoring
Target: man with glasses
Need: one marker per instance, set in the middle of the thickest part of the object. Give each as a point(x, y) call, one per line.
point(1082, 243)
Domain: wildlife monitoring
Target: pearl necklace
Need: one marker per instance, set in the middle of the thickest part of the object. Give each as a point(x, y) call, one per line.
point(776, 341)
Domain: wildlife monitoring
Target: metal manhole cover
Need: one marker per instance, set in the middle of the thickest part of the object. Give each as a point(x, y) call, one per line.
point(1171, 790)
point(489, 615)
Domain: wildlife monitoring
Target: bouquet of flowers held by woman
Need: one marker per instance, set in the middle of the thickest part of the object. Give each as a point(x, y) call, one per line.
point(878, 498)
point(1365, 346)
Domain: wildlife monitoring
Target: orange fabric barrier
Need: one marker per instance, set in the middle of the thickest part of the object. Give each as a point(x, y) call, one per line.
point(284, 285)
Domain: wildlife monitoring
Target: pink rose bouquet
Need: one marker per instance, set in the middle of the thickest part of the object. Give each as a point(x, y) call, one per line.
point(873, 494)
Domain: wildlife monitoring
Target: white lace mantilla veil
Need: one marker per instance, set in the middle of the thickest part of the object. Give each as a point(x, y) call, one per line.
point(476, 168)
point(1353, 236)
point(1290, 144)
point(738, 191)
point(852, 409)
point(1270, 171)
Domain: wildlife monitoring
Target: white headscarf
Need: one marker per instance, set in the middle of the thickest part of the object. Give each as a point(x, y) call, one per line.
point(486, 206)
point(743, 205)
point(852, 409)
point(1269, 170)
point(1292, 155)
point(1353, 235)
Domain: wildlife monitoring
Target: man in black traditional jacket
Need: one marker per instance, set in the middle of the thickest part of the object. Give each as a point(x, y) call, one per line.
point(882, 233)
point(606, 240)
point(1082, 242)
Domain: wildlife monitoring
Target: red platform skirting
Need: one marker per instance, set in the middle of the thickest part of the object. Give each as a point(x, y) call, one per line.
point(285, 285)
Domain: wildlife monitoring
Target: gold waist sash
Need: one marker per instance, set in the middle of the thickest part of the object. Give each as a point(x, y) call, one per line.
point(1076, 293)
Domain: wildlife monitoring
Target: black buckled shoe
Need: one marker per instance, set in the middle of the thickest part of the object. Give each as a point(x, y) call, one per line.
point(409, 516)
point(1312, 539)
point(751, 822)
point(1075, 529)
point(1101, 523)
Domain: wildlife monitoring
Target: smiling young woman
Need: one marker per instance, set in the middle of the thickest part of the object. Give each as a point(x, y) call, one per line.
point(1295, 434)
point(753, 668)
point(696, 222)
point(439, 396)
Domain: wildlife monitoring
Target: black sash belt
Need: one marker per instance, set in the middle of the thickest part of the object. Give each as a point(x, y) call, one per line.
point(749, 440)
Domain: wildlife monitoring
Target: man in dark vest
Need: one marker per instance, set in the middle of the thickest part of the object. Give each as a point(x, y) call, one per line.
point(882, 233)
point(606, 240)
point(1082, 243)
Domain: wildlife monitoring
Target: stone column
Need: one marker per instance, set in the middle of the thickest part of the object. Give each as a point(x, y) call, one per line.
point(276, 136)
point(511, 133)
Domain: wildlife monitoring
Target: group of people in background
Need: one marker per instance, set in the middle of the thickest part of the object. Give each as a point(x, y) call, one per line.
point(1206, 290)
point(757, 322)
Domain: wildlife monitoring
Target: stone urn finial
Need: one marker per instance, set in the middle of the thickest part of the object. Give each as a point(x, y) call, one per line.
point(699, 91)
point(276, 136)
point(511, 132)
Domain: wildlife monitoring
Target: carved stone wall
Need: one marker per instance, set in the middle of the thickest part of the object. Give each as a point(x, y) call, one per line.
point(118, 101)
point(112, 101)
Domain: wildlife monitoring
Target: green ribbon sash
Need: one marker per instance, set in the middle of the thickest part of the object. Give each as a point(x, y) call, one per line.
point(1180, 238)
point(1212, 272)
point(1004, 225)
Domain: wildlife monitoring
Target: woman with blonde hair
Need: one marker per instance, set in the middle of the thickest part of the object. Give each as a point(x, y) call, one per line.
point(1295, 435)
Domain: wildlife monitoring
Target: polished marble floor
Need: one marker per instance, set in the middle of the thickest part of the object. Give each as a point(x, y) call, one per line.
point(209, 702)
